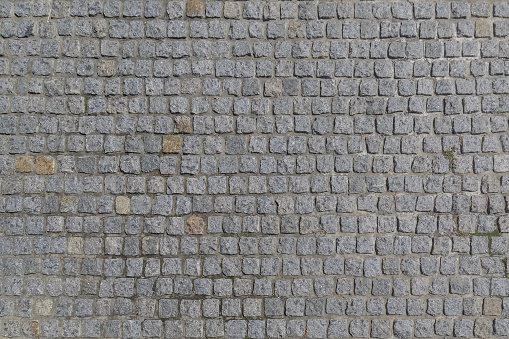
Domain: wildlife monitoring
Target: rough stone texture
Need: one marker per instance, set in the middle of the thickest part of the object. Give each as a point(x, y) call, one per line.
point(44, 165)
point(195, 225)
point(254, 169)
point(122, 205)
point(171, 144)
point(24, 164)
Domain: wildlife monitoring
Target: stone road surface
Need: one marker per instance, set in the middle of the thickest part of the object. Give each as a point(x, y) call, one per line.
point(254, 169)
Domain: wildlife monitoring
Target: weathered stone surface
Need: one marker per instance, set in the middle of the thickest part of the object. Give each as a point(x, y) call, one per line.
point(107, 68)
point(171, 144)
point(195, 225)
point(24, 164)
point(492, 306)
point(195, 9)
point(44, 165)
point(254, 169)
point(183, 125)
point(75, 245)
point(122, 205)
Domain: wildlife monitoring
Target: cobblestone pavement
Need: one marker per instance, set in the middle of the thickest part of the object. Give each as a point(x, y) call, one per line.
point(254, 169)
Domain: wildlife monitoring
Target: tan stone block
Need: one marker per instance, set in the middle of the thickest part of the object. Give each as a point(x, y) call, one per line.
point(195, 225)
point(24, 164)
point(183, 125)
point(171, 144)
point(122, 205)
point(483, 328)
point(44, 165)
point(44, 307)
point(231, 10)
point(195, 9)
point(296, 30)
point(492, 306)
point(68, 204)
point(34, 328)
point(106, 68)
point(75, 245)
point(483, 29)
point(273, 88)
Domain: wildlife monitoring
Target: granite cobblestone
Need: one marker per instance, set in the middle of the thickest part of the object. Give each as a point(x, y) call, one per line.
point(254, 169)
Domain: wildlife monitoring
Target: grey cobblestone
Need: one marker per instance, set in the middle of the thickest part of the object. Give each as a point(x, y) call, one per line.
point(253, 169)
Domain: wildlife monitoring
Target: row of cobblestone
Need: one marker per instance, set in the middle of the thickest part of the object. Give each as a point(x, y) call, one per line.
point(280, 124)
point(234, 29)
point(286, 224)
point(284, 165)
point(179, 49)
point(270, 328)
point(487, 104)
point(248, 245)
point(255, 10)
point(302, 204)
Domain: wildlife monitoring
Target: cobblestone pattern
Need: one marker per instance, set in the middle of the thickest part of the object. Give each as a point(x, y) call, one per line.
point(254, 169)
